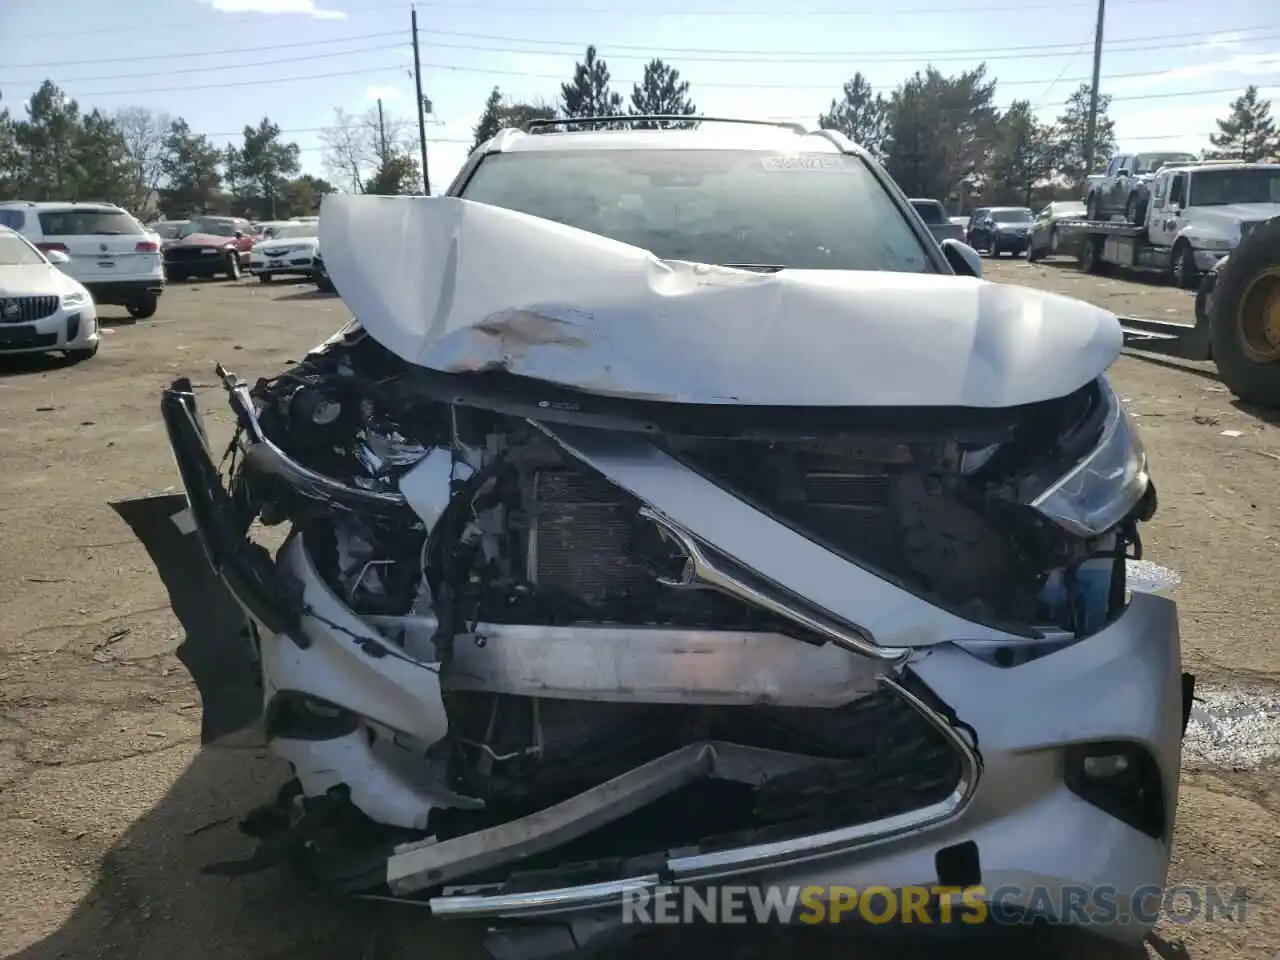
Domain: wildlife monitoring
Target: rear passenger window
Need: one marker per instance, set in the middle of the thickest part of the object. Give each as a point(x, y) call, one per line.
point(13, 219)
point(79, 223)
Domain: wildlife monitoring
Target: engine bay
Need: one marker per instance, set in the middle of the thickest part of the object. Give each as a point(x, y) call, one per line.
point(478, 515)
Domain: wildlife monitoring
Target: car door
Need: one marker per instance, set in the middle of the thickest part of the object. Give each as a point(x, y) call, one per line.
point(974, 232)
point(1040, 228)
point(1168, 201)
point(105, 244)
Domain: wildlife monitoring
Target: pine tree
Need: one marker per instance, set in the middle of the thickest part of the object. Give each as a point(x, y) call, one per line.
point(1248, 132)
point(588, 94)
point(490, 120)
point(661, 92)
point(860, 114)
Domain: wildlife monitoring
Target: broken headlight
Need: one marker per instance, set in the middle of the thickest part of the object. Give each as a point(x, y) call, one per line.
point(1105, 485)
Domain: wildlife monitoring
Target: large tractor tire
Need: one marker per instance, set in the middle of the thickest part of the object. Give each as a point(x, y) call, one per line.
point(1244, 316)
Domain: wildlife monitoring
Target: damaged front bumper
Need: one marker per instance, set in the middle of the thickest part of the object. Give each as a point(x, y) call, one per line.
point(1023, 756)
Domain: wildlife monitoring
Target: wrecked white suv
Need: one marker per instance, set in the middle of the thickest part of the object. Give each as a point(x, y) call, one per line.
point(673, 513)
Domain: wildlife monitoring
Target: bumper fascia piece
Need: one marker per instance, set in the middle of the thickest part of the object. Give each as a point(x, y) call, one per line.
point(74, 328)
point(1013, 726)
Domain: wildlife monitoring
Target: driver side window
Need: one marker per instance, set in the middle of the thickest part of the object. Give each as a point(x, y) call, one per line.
point(1178, 190)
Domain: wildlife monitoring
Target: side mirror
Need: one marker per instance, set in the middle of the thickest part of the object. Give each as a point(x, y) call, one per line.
point(964, 260)
point(57, 257)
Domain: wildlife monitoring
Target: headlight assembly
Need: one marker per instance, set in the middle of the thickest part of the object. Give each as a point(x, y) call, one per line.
point(1107, 483)
point(71, 300)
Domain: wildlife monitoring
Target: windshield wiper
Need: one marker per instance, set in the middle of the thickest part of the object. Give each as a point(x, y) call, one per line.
point(757, 267)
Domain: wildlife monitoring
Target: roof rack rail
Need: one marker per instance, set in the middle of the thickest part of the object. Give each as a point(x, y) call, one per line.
point(541, 124)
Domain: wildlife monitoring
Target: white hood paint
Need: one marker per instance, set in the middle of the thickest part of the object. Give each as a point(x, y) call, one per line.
point(36, 279)
point(1238, 211)
point(461, 287)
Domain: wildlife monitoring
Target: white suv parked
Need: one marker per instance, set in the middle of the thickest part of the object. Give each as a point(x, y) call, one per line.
point(109, 251)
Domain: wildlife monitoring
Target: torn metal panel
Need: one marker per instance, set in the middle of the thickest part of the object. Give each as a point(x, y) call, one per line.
point(460, 287)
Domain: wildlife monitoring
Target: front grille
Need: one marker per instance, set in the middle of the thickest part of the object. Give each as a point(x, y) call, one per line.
point(187, 254)
point(22, 338)
point(27, 309)
point(886, 759)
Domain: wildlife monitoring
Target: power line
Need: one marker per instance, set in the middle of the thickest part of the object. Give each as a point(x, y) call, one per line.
point(215, 53)
point(851, 54)
point(462, 68)
point(960, 9)
point(1038, 81)
point(710, 54)
point(683, 58)
point(234, 66)
point(367, 71)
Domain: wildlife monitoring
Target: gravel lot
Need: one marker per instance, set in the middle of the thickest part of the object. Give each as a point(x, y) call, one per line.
point(108, 808)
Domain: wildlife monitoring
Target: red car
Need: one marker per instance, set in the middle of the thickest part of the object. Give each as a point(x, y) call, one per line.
point(208, 247)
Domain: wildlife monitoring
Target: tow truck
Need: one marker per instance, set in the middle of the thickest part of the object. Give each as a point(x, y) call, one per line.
point(1197, 214)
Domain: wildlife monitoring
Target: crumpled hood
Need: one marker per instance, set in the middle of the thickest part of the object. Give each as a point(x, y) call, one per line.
point(201, 240)
point(463, 287)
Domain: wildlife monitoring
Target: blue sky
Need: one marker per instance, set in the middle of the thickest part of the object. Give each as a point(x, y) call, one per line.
point(1171, 65)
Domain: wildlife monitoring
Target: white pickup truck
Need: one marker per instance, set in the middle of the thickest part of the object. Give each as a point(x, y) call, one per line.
point(1197, 214)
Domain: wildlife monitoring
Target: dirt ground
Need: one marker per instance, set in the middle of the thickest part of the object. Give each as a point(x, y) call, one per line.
point(109, 808)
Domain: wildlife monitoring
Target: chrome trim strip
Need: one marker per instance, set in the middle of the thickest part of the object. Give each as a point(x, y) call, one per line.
point(536, 903)
point(668, 773)
point(701, 571)
point(783, 853)
point(431, 863)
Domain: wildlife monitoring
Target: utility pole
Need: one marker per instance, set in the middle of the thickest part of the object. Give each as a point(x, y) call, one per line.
point(382, 135)
point(1091, 135)
point(422, 116)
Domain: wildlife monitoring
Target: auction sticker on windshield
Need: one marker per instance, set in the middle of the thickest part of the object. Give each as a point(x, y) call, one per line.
point(812, 164)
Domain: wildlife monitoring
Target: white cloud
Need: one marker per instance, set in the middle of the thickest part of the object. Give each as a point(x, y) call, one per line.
point(305, 7)
point(1242, 64)
point(382, 93)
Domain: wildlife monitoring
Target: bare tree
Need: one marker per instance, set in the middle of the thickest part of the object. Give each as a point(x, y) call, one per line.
point(353, 145)
point(144, 136)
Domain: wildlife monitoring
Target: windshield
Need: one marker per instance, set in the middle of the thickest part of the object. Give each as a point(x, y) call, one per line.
point(167, 231)
point(1011, 216)
point(1067, 208)
point(1151, 162)
point(930, 211)
point(214, 228)
point(16, 252)
point(727, 207)
point(80, 223)
point(1215, 188)
point(294, 231)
